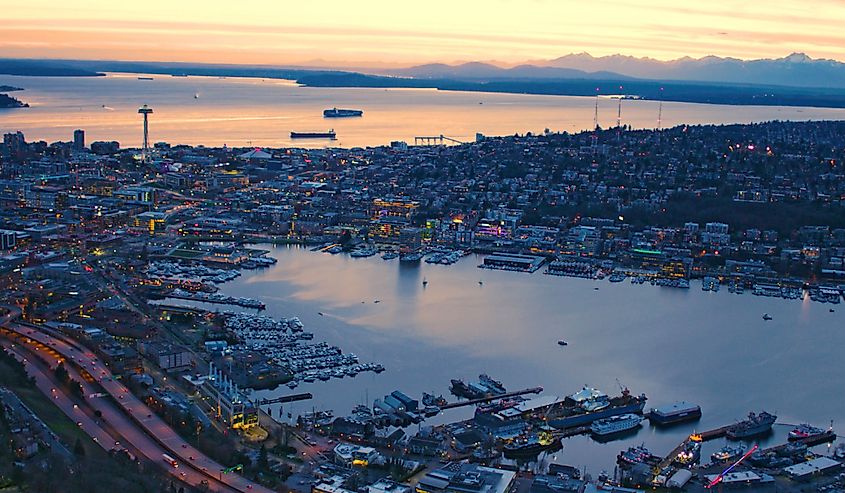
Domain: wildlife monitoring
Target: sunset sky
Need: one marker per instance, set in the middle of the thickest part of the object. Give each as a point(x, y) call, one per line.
point(350, 32)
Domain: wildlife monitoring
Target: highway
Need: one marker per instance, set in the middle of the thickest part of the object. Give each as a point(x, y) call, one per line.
point(138, 413)
point(113, 430)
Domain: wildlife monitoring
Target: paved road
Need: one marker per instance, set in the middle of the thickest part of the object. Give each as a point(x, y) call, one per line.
point(142, 415)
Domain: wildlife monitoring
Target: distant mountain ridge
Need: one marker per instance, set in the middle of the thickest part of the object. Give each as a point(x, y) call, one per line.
point(796, 70)
point(487, 71)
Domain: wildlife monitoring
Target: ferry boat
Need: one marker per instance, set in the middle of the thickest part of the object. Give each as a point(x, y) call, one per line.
point(314, 135)
point(616, 424)
point(804, 431)
point(674, 413)
point(341, 113)
point(756, 424)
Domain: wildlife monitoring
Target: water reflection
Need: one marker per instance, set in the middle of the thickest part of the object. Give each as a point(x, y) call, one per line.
point(712, 349)
point(263, 112)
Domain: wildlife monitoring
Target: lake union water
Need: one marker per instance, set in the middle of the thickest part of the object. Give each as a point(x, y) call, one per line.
point(713, 349)
point(262, 112)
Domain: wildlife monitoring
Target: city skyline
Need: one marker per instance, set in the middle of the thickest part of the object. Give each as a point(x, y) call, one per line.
point(373, 33)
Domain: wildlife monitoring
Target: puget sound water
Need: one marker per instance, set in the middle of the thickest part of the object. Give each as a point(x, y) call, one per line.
point(241, 112)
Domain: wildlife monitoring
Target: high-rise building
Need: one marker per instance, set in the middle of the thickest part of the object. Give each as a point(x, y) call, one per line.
point(78, 140)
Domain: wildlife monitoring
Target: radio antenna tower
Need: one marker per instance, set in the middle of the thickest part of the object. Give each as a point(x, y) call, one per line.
point(660, 111)
point(596, 114)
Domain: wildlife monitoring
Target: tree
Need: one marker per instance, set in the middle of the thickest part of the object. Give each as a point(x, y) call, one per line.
point(262, 462)
point(78, 449)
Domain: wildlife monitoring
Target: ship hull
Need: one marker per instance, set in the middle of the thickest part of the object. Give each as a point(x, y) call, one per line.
point(587, 418)
point(312, 135)
point(666, 420)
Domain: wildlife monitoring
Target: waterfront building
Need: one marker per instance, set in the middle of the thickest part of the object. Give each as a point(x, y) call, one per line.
point(466, 478)
point(350, 455)
point(510, 261)
point(385, 485)
point(230, 405)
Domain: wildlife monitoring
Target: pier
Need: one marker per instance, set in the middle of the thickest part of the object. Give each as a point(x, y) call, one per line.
point(704, 436)
point(481, 400)
point(285, 398)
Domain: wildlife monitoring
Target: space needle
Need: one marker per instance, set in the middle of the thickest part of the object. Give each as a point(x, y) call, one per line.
point(146, 110)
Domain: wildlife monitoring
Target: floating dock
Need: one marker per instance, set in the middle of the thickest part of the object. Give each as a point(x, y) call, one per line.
point(481, 400)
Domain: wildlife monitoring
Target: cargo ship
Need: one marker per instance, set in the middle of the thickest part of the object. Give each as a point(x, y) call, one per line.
point(575, 413)
point(341, 113)
point(313, 135)
point(615, 424)
point(756, 424)
point(674, 413)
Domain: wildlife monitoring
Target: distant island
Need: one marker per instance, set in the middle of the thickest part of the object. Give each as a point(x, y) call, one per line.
point(10, 88)
point(43, 68)
point(7, 101)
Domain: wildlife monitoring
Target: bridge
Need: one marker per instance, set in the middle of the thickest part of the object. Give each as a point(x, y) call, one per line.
point(435, 140)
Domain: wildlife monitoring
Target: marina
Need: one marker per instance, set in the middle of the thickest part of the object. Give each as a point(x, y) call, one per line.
point(400, 289)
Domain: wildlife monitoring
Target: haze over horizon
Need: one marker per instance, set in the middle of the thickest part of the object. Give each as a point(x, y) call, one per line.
point(375, 33)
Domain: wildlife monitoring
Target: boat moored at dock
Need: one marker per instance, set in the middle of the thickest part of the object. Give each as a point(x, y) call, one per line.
point(756, 424)
point(615, 424)
point(678, 412)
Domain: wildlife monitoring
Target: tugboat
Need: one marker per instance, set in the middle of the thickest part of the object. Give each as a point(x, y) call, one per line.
point(431, 400)
point(727, 454)
point(689, 455)
point(637, 455)
point(530, 446)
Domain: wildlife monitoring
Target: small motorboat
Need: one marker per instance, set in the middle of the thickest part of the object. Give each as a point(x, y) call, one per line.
point(562, 343)
point(766, 316)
